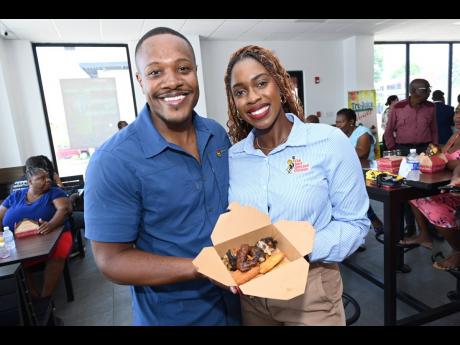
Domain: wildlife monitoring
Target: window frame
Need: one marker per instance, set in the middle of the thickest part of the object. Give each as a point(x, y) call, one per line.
point(449, 65)
point(42, 92)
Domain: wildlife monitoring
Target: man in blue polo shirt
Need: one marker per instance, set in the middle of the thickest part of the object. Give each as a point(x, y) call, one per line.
point(154, 192)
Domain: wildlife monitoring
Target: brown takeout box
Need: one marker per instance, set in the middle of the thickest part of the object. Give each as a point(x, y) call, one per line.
point(26, 228)
point(248, 225)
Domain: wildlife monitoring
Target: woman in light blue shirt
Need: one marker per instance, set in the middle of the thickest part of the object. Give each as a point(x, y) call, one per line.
point(323, 186)
point(360, 136)
point(363, 141)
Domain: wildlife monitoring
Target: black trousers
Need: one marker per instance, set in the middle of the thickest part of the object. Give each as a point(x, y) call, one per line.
point(384, 146)
point(408, 214)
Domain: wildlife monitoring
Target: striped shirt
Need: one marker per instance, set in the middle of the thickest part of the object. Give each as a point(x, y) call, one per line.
point(314, 176)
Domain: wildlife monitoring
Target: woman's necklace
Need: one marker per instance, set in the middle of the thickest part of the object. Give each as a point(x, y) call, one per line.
point(269, 148)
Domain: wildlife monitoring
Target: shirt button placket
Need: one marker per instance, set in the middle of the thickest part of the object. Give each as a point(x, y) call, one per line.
point(265, 179)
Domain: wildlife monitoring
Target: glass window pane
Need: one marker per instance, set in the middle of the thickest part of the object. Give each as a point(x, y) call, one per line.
point(389, 76)
point(431, 62)
point(455, 75)
point(87, 91)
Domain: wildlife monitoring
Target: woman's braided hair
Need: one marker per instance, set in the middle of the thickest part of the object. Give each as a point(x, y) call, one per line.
point(238, 128)
point(32, 171)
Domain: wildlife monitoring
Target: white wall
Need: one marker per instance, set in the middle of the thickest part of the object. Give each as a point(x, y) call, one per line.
point(26, 102)
point(9, 152)
point(358, 63)
point(23, 98)
point(139, 96)
point(323, 59)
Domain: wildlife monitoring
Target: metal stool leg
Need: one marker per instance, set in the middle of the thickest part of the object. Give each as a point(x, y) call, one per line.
point(81, 247)
point(454, 295)
point(349, 303)
point(68, 282)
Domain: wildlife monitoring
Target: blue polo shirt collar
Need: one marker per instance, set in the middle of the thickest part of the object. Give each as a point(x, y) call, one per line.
point(297, 137)
point(153, 143)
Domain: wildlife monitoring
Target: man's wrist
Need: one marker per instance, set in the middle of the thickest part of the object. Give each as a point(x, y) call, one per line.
point(195, 273)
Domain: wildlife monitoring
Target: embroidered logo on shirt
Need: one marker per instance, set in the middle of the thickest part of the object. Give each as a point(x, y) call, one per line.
point(219, 152)
point(290, 163)
point(296, 165)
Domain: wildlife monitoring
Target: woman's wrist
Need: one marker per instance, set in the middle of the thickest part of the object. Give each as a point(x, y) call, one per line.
point(53, 225)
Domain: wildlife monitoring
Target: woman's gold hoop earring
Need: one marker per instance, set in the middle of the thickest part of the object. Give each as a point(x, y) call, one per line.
point(238, 115)
point(283, 99)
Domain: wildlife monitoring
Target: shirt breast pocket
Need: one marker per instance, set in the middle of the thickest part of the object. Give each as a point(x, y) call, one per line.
point(312, 182)
point(167, 189)
point(403, 121)
point(425, 121)
point(305, 193)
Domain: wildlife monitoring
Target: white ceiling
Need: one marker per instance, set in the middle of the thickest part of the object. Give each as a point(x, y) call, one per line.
point(123, 30)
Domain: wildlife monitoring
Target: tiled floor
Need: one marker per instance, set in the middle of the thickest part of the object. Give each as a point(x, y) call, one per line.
point(100, 302)
point(424, 282)
point(97, 301)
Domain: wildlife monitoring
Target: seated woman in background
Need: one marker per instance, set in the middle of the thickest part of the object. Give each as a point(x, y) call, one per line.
point(363, 140)
point(50, 207)
point(440, 209)
point(38, 162)
point(76, 199)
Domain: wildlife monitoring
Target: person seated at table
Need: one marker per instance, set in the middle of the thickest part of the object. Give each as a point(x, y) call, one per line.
point(76, 199)
point(363, 140)
point(439, 210)
point(50, 207)
point(38, 162)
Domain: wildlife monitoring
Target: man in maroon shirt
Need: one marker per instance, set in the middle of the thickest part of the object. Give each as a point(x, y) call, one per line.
point(412, 122)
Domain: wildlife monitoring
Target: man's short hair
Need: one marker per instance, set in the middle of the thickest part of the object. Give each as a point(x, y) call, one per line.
point(418, 82)
point(438, 95)
point(312, 119)
point(391, 99)
point(122, 124)
point(161, 31)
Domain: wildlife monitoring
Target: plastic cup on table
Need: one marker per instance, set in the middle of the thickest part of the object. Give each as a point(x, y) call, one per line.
point(387, 153)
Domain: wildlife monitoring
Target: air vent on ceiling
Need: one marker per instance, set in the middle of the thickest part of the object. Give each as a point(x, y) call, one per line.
point(310, 20)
